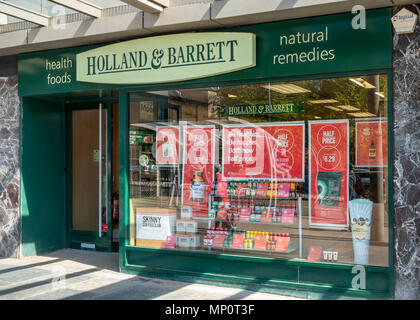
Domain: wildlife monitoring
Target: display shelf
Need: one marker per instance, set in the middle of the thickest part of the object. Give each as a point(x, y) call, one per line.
point(297, 222)
point(289, 250)
point(262, 223)
point(262, 198)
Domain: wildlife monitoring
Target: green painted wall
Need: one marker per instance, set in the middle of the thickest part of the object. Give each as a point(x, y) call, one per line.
point(42, 176)
point(331, 45)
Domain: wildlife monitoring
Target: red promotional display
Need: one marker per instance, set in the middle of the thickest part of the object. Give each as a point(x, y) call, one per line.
point(371, 143)
point(328, 173)
point(238, 240)
point(288, 216)
point(315, 253)
point(282, 244)
point(260, 242)
point(272, 151)
point(198, 172)
point(170, 242)
point(219, 240)
point(167, 145)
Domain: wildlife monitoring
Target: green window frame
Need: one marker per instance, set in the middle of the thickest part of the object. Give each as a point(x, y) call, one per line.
point(325, 278)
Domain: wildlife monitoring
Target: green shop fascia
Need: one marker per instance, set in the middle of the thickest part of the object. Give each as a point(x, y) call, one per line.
point(308, 48)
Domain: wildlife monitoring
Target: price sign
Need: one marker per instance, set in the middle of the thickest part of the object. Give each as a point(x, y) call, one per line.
point(260, 242)
point(328, 173)
point(282, 244)
point(314, 253)
point(288, 216)
point(219, 240)
point(170, 242)
point(238, 240)
point(283, 190)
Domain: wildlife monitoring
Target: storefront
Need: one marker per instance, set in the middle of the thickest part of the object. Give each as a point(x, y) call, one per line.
point(255, 156)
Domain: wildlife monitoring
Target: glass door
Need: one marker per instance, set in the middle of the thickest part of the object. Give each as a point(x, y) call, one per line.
point(90, 145)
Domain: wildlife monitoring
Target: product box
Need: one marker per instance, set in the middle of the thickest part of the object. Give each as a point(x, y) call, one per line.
point(153, 225)
point(180, 226)
point(182, 241)
point(186, 213)
point(191, 226)
point(195, 241)
point(283, 190)
point(267, 216)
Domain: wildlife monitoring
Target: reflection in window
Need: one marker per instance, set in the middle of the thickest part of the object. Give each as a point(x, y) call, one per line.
point(295, 170)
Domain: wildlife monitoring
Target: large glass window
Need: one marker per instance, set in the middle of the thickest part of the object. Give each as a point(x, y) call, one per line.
point(295, 170)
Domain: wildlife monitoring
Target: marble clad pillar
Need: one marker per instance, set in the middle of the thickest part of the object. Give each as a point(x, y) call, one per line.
point(406, 104)
point(9, 166)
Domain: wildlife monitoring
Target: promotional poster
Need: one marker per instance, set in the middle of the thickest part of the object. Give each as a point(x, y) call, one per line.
point(328, 173)
point(198, 168)
point(167, 145)
point(272, 151)
point(371, 143)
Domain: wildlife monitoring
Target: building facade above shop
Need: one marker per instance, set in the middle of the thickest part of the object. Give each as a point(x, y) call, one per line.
point(129, 22)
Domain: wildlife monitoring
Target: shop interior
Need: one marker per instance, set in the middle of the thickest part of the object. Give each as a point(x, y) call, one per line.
point(163, 189)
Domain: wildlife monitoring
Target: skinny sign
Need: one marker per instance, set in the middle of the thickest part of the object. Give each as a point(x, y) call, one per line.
point(167, 58)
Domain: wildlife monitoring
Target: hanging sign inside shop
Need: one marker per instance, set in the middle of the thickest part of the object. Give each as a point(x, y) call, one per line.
point(167, 58)
point(261, 109)
point(198, 168)
point(167, 145)
point(404, 21)
point(273, 151)
point(328, 173)
point(140, 137)
point(371, 143)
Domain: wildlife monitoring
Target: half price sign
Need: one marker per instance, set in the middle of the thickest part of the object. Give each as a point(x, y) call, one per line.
point(328, 173)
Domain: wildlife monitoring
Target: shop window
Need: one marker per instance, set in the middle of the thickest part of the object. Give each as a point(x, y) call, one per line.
point(295, 170)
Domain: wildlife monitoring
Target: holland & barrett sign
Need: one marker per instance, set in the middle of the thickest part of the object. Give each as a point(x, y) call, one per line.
point(261, 109)
point(167, 58)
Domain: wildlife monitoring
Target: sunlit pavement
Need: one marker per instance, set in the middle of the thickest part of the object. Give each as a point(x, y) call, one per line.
point(85, 275)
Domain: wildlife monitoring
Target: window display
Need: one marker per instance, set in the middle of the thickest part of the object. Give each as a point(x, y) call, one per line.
point(282, 170)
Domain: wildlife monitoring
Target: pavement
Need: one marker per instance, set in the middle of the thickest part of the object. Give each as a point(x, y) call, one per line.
point(89, 275)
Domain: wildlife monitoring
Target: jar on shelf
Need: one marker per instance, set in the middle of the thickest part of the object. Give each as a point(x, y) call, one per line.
point(197, 187)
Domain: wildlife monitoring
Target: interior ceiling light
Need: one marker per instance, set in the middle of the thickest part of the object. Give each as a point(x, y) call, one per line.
point(363, 83)
point(286, 88)
point(361, 114)
point(317, 117)
point(323, 101)
point(381, 94)
point(348, 108)
point(333, 108)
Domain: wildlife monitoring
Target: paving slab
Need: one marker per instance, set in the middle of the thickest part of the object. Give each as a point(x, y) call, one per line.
point(85, 275)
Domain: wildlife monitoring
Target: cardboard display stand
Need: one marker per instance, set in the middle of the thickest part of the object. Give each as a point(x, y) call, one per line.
point(153, 225)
